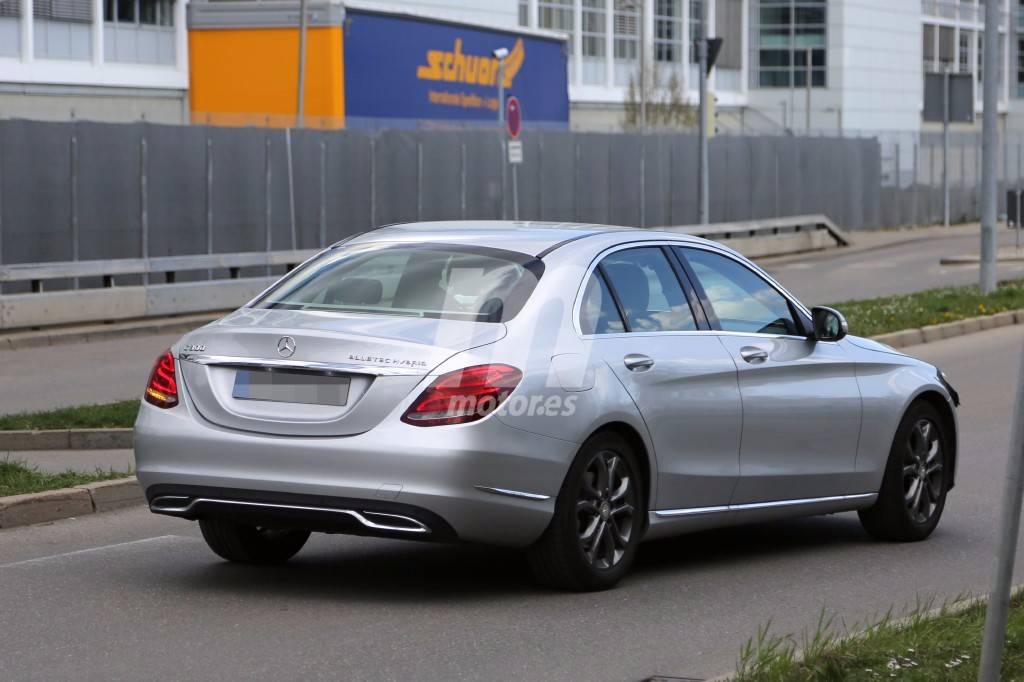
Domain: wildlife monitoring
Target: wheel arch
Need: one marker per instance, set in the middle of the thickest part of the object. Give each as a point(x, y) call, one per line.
point(942, 406)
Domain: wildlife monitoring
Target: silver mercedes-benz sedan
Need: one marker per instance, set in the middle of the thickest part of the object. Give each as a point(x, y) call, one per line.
point(568, 389)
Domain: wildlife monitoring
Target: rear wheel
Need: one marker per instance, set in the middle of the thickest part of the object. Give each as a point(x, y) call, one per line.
point(598, 519)
point(913, 492)
point(252, 544)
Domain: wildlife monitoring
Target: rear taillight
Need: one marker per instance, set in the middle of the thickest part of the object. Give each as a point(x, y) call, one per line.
point(162, 389)
point(463, 396)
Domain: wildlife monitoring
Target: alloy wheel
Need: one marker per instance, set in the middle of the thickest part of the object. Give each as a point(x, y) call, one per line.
point(605, 509)
point(922, 471)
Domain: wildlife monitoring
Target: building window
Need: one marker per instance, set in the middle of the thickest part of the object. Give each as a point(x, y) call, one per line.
point(696, 27)
point(71, 11)
point(10, 8)
point(524, 13)
point(593, 37)
point(627, 30)
point(145, 12)
point(791, 39)
point(668, 31)
point(556, 15)
point(964, 60)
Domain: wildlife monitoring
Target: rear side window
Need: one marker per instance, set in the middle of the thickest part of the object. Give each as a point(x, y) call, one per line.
point(431, 280)
point(598, 314)
point(648, 291)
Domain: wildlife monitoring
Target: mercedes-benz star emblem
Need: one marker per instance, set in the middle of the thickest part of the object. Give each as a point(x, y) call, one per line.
point(286, 346)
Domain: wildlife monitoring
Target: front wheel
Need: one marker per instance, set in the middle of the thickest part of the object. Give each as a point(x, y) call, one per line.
point(913, 492)
point(252, 544)
point(598, 519)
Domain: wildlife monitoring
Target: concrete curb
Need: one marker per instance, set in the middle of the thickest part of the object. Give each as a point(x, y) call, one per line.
point(105, 332)
point(53, 505)
point(950, 330)
point(67, 439)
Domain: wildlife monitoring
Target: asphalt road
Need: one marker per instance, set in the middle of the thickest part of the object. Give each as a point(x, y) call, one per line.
point(129, 595)
point(831, 277)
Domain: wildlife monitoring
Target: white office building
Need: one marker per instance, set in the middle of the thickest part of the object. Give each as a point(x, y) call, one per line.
point(865, 59)
point(107, 60)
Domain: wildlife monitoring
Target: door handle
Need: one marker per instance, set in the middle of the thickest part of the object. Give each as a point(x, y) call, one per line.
point(636, 362)
point(753, 354)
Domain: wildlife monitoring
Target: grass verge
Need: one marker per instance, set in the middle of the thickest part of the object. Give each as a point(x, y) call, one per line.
point(920, 646)
point(886, 314)
point(119, 415)
point(16, 478)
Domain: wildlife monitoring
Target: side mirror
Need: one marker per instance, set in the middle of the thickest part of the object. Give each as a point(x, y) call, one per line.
point(829, 325)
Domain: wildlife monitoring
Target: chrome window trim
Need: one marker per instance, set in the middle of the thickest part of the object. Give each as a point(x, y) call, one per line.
point(694, 511)
point(230, 361)
point(512, 493)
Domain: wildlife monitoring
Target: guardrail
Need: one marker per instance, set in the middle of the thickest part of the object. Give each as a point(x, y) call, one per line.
point(168, 266)
point(780, 236)
point(111, 302)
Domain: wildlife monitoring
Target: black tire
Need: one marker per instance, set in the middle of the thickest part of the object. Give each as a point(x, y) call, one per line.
point(252, 544)
point(916, 479)
point(598, 521)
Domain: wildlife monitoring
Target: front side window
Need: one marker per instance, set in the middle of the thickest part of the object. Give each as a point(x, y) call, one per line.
point(741, 299)
point(440, 281)
point(647, 291)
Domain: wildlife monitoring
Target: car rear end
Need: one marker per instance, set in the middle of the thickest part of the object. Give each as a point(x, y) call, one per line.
point(337, 402)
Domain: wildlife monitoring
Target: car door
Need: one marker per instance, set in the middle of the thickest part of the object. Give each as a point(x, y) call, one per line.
point(801, 402)
point(640, 321)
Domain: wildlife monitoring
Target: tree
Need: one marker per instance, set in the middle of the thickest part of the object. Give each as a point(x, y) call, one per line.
point(667, 106)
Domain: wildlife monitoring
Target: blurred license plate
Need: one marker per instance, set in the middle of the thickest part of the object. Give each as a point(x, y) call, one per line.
point(291, 387)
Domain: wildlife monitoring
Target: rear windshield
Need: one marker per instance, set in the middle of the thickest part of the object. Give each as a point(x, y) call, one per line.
point(420, 280)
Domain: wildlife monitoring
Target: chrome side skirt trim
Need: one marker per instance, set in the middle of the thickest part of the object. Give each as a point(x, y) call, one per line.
point(512, 493)
point(414, 527)
point(693, 511)
point(272, 363)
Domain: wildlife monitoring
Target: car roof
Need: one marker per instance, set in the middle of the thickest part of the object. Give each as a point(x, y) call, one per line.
point(534, 238)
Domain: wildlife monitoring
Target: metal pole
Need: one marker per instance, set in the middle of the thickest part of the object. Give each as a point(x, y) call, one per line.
point(945, 147)
point(323, 194)
point(1009, 525)
point(702, 65)
point(808, 67)
point(576, 179)
point(373, 183)
point(913, 187)
point(266, 196)
point(419, 179)
point(899, 188)
point(73, 158)
point(643, 193)
point(462, 176)
point(144, 201)
point(641, 8)
point(501, 137)
point(989, 140)
point(209, 202)
point(1016, 194)
point(515, 192)
point(291, 185)
point(302, 62)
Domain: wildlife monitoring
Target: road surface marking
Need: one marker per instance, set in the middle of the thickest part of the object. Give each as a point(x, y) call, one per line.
point(161, 540)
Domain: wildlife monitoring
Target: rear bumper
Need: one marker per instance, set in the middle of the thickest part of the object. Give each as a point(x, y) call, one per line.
point(457, 482)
